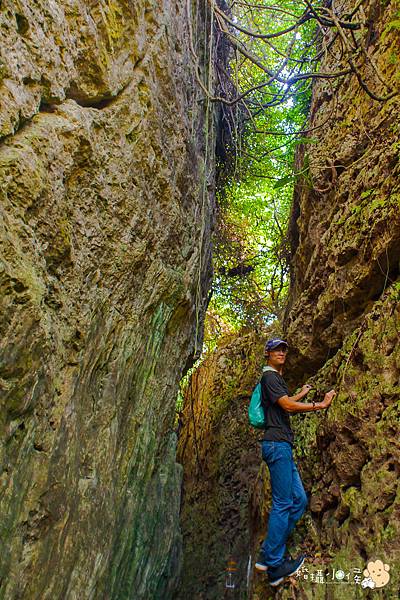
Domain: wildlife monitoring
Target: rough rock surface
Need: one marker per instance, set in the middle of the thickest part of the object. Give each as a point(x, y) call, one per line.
point(343, 319)
point(220, 456)
point(105, 261)
point(349, 459)
point(343, 325)
point(346, 219)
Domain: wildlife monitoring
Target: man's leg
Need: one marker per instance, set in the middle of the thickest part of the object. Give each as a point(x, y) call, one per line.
point(300, 500)
point(278, 456)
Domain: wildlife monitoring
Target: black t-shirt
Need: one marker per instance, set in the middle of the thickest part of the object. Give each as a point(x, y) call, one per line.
point(278, 428)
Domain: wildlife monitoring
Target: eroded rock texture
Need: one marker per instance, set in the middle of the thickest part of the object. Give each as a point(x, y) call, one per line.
point(221, 462)
point(105, 262)
point(346, 219)
point(343, 317)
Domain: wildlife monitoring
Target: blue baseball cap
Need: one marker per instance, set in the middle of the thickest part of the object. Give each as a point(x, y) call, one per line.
point(274, 343)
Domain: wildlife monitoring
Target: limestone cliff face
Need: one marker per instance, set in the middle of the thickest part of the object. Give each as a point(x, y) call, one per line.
point(221, 462)
point(343, 317)
point(104, 260)
point(343, 326)
point(345, 221)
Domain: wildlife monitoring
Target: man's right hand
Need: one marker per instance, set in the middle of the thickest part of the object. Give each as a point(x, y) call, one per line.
point(328, 399)
point(305, 389)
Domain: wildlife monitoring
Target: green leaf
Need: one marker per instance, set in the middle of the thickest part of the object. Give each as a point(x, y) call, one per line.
point(283, 182)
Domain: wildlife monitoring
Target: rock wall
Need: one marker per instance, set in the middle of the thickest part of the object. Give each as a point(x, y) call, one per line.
point(343, 327)
point(220, 456)
point(343, 318)
point(345, 219)
point(105, 265)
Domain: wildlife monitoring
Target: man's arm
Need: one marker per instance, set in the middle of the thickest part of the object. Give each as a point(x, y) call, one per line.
point(303, 392)
point(292, 405)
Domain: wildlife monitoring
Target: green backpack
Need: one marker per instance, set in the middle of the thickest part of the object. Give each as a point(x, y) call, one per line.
point(256, 411)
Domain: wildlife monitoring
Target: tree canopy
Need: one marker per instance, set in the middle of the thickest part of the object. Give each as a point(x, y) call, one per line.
point(276, 52)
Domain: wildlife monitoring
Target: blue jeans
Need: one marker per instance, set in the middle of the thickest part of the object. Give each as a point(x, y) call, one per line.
point(289, 499)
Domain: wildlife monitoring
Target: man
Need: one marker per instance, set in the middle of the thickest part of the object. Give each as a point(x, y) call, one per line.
point(289, 499)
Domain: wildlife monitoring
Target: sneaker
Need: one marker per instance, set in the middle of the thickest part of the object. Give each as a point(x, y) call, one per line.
point(260, 562)
point(289, 567)
point(262, 566)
